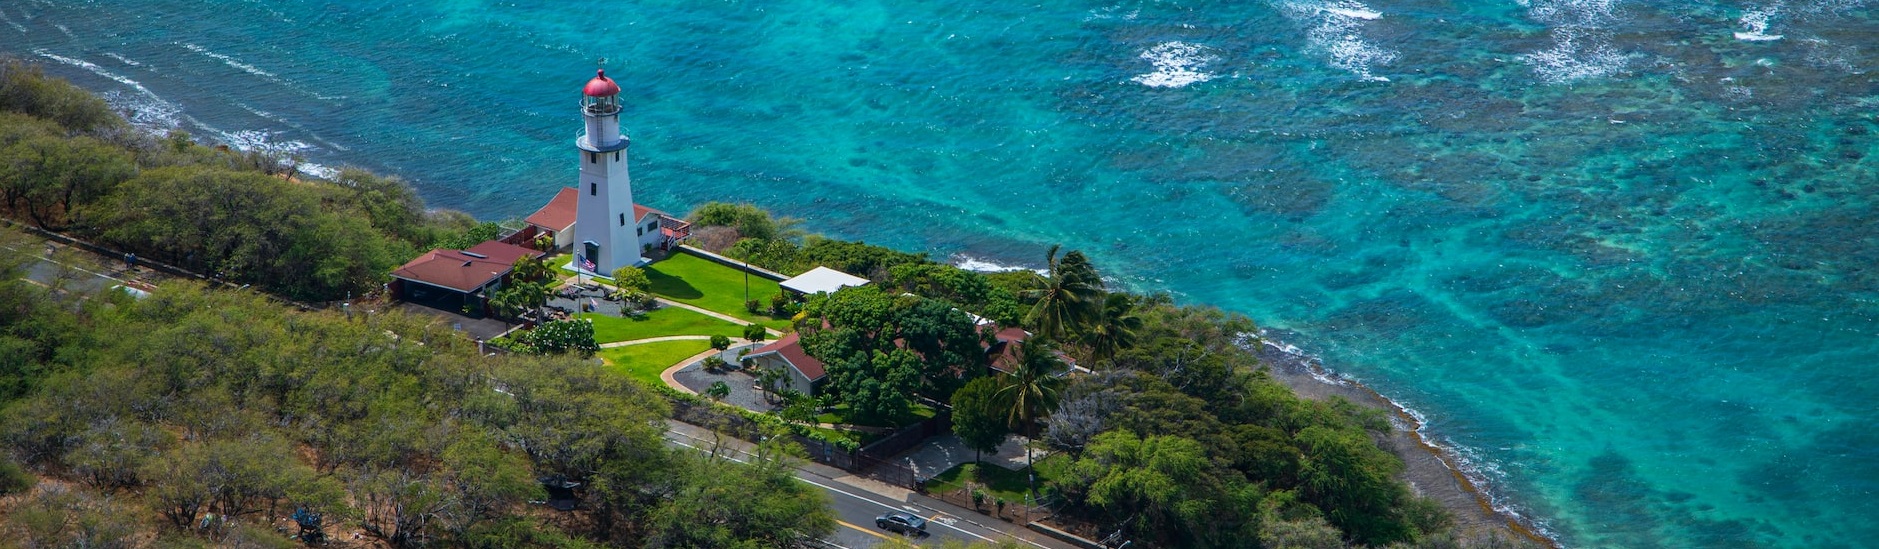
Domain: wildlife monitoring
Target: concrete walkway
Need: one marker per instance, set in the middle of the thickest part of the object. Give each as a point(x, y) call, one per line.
point(666, 376)
point(713, 314)
point(657, 339)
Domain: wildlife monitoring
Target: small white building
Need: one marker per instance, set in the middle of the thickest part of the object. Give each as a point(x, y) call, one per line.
point(821, 280)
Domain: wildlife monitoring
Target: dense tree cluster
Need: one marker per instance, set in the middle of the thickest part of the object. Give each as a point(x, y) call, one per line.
point(68, 163)
point(210, 415)
point(882, 350)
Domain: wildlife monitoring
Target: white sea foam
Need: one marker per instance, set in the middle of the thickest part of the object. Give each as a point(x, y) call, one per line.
point(983, 266)
point(1756, 21)
point(94, 69)
point(1569, 61)
point(64, 29)
point(1177, 64)
point(1335, 30)
point(11, 23)
point(153, 115)
point(122, 59)
point(232, 62)
point(264, 141)
point(1581, 45)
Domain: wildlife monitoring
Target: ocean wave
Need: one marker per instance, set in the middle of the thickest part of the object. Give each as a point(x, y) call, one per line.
point(154, 116)
point(1336, 32)
point(1568, 61)
point(1177, 64)
point(1581, 44)
point(11, 23)
point(95, 69)
point(1756, 21)
point(984, 266)
point(264, 141)
point(232, 62)
point(122, 59)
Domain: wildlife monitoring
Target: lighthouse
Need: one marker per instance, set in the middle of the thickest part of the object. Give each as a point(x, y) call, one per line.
point(608, 230)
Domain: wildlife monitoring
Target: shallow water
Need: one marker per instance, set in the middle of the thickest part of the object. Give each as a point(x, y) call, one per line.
point(1619, 254)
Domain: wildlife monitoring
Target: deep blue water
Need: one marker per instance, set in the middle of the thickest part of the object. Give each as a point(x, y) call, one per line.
point(1620, 254)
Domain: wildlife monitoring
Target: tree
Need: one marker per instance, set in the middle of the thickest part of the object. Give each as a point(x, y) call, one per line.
point(1029, 392)
point(629, 280)
point(720, 503)
point(49, 177)
point(977, 418)
point(720, 342)
point(755, 332)
point(1068, 297)
point(1114, 328)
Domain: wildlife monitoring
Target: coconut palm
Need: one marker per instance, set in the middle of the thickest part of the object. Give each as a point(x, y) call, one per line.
point(1029, 392)
point(1114, 329)
point(1069, 297)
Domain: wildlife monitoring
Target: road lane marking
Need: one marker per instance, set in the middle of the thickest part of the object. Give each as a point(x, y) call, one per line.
point(863, 530)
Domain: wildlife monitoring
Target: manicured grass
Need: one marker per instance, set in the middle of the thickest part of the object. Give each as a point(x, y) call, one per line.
point(643, 362)
point(667, 321)
point(838, 415)
point(995, 481)
point(694, 280)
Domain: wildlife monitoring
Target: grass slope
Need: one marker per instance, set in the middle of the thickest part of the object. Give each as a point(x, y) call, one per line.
point(694, 280)
point(667, 321)
point(643, 362)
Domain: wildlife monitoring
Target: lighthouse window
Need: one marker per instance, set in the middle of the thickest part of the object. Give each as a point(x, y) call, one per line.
point(616, 156)
point(622, 220)
point(593, 158)
point(593, 189)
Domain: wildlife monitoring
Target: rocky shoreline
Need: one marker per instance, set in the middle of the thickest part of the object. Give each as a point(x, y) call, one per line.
point(1429, 469)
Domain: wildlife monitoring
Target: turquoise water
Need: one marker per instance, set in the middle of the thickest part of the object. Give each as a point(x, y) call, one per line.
point(1618, 254)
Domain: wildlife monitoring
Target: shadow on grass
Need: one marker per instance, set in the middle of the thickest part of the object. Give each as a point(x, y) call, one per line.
point(671, 286)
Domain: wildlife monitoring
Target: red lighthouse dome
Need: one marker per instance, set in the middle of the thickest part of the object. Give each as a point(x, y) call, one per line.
point(601, 86)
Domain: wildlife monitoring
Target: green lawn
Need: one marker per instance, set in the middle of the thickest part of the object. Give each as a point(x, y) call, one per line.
point(997, 482)
point(838, 415)
point(694, 280)
point(644, 362)
point(661, 322)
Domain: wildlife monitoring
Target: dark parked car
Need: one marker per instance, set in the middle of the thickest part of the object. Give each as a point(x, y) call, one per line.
point(902, 522)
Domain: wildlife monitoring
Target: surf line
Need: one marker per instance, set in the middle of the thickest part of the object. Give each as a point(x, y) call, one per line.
point(1315, 369)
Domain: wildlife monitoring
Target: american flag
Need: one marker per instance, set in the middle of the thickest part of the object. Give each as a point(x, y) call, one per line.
point(586, 264)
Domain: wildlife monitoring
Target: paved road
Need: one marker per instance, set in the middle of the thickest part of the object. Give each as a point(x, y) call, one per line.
point(45, 272)
point(856, 508)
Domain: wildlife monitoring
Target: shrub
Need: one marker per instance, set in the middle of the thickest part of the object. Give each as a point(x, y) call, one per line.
point(753, 305)
point(14, 479)
point(754, 332)
point(779, 305)
point(713, 363)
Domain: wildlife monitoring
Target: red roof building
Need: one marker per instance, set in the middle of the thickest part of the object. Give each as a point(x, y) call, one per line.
point(787, 353)
point(457, 277)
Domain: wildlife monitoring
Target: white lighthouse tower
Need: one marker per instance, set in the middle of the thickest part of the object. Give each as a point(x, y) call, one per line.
point(606, 227)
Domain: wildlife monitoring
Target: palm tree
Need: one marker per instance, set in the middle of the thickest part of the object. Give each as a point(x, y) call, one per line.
point(1114, 329)
point(1030, 391)
point(1069, 297)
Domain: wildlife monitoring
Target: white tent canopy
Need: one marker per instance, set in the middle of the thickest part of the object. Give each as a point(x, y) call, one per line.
point(822, 279)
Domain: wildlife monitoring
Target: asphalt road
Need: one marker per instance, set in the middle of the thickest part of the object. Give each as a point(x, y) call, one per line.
point(855, 510)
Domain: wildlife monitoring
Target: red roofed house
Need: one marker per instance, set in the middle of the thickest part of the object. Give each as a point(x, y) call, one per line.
point(557, 217)
point(787, 354)
point(451, 279)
